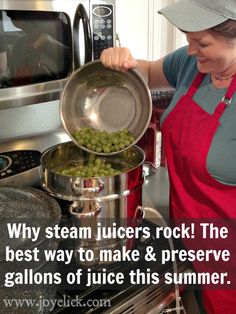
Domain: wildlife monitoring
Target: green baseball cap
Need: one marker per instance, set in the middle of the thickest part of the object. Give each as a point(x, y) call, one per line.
point(198, 15)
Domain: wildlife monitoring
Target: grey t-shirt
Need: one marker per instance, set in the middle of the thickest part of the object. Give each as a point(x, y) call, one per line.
point(180, 69)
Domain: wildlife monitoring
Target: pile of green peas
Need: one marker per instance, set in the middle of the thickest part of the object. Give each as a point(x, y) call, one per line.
point(95, 167)
point(103, 141)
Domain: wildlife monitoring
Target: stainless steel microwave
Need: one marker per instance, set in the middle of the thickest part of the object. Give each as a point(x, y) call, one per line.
point(43, 41)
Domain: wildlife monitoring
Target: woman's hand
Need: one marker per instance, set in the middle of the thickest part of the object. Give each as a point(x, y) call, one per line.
point(118, 58)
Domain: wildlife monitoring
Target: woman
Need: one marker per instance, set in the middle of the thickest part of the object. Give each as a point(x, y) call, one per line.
point(199, 126)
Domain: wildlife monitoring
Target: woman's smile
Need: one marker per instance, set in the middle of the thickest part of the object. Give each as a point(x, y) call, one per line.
point(214, 54)
point(202, 59)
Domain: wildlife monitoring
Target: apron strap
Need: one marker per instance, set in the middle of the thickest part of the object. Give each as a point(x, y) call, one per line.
point(197, 81)
point(226, 100)
point(230, 91)
point(195, 84)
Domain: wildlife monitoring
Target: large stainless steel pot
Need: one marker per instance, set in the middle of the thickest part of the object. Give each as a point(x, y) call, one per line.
point(105, 200)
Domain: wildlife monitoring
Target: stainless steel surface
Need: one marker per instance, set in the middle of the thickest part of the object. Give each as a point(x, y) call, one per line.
point(42, 92)
point(28, 178)
point(102, 99)
point(155, 187)
point(91, 214)
point(39, 142)
point(156, 192)
point(49, 90)
point(32, 94)
point(103, 188)
point(152, 299)
point(98, 200)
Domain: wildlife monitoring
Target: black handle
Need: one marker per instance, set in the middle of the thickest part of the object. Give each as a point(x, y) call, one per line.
point(81, 14)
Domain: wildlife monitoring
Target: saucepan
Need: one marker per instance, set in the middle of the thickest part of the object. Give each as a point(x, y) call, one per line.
point(101, 99)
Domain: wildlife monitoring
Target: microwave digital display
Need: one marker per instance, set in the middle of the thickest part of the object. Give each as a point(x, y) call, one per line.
point(102, 11)
point(34, 47)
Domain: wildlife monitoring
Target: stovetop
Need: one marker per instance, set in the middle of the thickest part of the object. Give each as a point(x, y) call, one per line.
point(125, 298)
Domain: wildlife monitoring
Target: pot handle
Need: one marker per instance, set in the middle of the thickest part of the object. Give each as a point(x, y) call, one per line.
point(84, 210)
point(91, 187)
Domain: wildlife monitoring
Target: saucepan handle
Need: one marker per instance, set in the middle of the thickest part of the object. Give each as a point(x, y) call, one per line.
point(88, 188)
point(84, 210)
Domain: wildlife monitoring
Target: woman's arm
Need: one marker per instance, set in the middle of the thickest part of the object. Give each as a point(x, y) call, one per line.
point(120, 59)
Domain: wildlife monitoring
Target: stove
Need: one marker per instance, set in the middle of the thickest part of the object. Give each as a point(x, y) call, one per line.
point(20, 164)
point(126, 298)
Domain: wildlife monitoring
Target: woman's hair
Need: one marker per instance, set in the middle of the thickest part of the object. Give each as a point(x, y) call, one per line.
point(226, 29)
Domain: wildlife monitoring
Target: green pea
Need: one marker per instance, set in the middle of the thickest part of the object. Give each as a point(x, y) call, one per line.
point(102, 141)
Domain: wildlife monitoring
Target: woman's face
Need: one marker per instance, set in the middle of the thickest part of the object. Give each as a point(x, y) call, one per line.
point(214, 54)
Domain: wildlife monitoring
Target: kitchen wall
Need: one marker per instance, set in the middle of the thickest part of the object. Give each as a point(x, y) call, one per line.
point(146, 33)
point(132, 25)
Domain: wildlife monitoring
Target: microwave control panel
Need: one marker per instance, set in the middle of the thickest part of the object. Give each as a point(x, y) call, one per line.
point(102, 28)
point(15, 162)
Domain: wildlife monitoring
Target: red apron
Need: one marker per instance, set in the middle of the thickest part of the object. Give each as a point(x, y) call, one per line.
point(188, 131)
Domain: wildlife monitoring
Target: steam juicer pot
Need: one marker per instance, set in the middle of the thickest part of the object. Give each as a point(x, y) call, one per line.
point(106, 201)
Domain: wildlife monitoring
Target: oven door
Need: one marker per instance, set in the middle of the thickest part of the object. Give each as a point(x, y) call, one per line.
point(42, 43)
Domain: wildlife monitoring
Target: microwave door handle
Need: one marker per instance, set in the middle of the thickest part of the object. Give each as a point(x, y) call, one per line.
point(81, 14)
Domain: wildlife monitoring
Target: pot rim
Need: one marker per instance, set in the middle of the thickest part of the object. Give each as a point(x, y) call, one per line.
point(107, 157)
